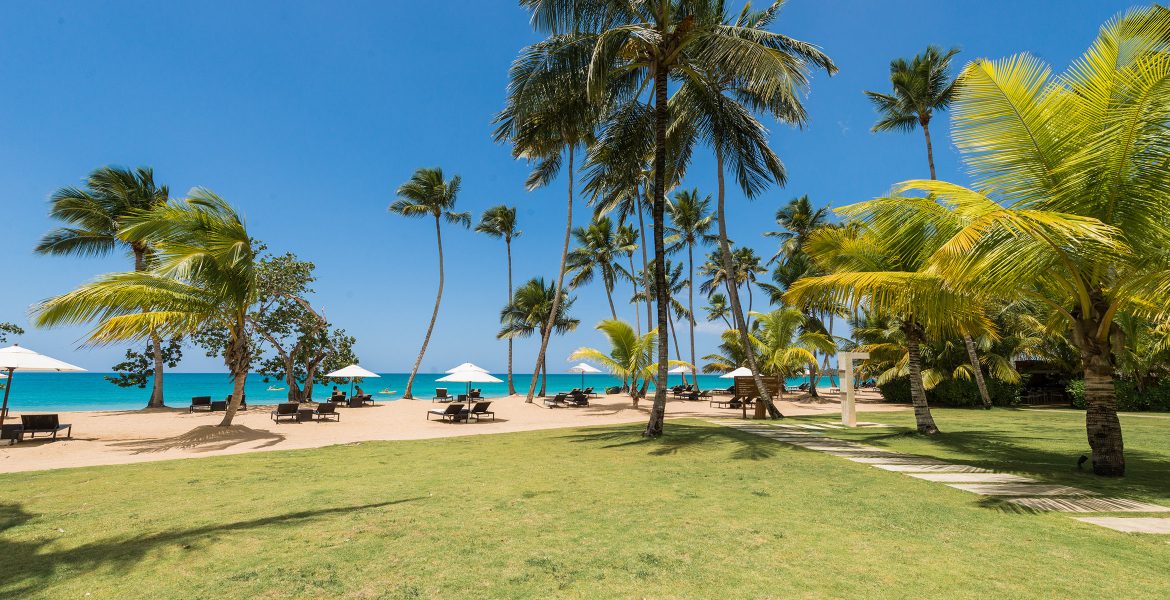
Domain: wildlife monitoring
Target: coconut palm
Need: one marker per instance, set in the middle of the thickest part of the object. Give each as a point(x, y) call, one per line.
point(500, 222)
point(631, 356)
point(626, 239)
point(717, 308)
point(797, 220)
point(596, 252)
point(535, 309)
point(634, 43)
point(690, 225)
point(202, 277)
point(1081, 160)
point(547, 118)
point(94, 215)
point(787, 343)
point(429, 193)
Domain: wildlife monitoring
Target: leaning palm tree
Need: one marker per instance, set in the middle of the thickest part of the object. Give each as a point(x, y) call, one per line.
point(500, 222)
point(596, 252)
point(690, 226)
point(202, 276)
point(535, 308)
point(547, 118)
point(922, 87)
point(638, 42)
point(631, 356)
point(429, 193)
point(94, 215)
point(1081, 159)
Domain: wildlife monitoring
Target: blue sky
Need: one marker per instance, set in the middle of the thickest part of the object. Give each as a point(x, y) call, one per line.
point(307, 116)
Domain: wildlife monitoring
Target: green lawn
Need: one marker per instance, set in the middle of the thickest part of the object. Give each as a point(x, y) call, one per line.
point(590, 512)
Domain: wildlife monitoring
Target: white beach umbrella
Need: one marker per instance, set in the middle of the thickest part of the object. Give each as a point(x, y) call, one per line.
point(681, 370)
point(352, 372)
point(16, 358)
point(469, 377)
point(740, 372)
point(467, 367)
point(583, 368)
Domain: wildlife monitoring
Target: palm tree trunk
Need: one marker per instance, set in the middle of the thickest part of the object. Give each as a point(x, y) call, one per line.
point(508, 248)
point(238, 361)
point(552, 316)
point(1101, 422)
point(637, 309)
point(609, 297)
point(677, 351)
point(691, 309)
point(434, 315)
point(658, 217)
point(929, 147)
point(733, 294)
point(922, 416)
point(156, 391)
point(979, 381)
point(645, 259)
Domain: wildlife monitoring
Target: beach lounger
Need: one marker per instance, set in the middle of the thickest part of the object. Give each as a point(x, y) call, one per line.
point(589, 392)
point(326, 411)
point(555, 401)
point(474, 393)
point(613, 390)
point(34, 424)
point(441, 395)
point(243, 401)
point(200, 403)
point(732, 402)
point(286, 410)
point(453, 412)
point(219, 406)
point(577, 399)
point(481, 409)
point(356, 402)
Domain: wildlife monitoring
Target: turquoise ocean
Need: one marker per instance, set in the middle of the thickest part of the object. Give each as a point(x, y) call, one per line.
point(55, 392)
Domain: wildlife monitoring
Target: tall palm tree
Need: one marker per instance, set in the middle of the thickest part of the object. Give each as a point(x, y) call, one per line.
point(547, 118)
point(690, 225)
point(657, 40)
point(717, 308)
point(597, 251)
point(797, 220)
point(535, 308)
point(202, 276)
point(631, 355)
point(500, 222)
point(94, 215)
point(1081, 159)
point(626, 239)
point(675, 284)
point(923, 86)
point(429, 193)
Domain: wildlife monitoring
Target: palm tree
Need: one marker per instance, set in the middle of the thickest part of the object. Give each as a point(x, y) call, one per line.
point(626, 240)
point(797, 220)
point(429, 193)
point(634, 43)
point(788, 342)
point(535, 308)
point(717, 308)
point(675, 285)
point(597, 251)
point(921, 87)
point(547, 117)
point(690, 224)
point(631, 356)
point(94, 215)
point(202, 277)
point(1081, 160)
point(500, 222)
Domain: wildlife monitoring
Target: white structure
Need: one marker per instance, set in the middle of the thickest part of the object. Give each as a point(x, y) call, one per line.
point(15, 358)
point(848, 405)
point(467, 367)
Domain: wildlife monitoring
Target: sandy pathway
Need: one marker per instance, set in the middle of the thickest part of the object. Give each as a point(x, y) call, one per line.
point(120, 437)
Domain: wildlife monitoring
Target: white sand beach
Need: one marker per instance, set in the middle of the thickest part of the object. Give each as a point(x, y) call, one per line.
point(122, 437)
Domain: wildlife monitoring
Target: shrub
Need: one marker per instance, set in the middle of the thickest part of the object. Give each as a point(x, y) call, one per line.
point(956, 393)
point(1156, 397)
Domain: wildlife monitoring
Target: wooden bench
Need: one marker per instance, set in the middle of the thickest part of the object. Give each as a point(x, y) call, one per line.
point(34, 424)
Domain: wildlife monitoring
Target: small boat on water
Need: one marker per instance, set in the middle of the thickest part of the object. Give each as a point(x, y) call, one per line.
point(273, 388)
point(388, 391)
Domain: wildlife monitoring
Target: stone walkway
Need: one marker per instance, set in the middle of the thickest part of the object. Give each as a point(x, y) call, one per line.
point(1015, 489)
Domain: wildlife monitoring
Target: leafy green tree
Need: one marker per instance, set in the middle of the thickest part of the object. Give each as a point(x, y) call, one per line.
point(7, 329)
point(137, 368)
point(93, 215)
point(500, 222)
point(429, 193)
point(534, 308)
point(597, 251)
point(203, 276)
point(631, 356)
point(797, 220)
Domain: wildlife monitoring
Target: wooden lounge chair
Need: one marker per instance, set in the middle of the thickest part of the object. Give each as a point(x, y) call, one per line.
point(34, 424)
point(286, 410)
point(589, 392)
point(200, 403)
point(441, 395)
point(219, 405)
point(555, 401)
point(453, 412)
point(732, 402)
point(577, 399)
point(475, 393)
point(355, 402)
point(326, 411)
point(481, 409)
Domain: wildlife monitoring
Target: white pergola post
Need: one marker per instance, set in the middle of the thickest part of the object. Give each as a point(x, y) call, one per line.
point(848, 404)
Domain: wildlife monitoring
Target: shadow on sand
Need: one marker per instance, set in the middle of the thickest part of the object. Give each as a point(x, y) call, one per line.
point(205, 438)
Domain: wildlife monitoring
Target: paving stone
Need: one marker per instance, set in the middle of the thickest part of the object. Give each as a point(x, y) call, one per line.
point(1088, 505)
point(831, 425)
point(1131, 524)
point(897, 460)
point(866, 454)
point(1021, 489)
point(805, 426)
point(932, 468)
point(972, 477)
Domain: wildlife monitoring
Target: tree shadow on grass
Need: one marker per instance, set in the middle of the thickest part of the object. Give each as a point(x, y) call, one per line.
point(29, 565)
point(678, 437)
point(205, 438)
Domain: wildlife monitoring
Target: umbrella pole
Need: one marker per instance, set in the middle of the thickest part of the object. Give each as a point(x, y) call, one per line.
point(7, 388)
